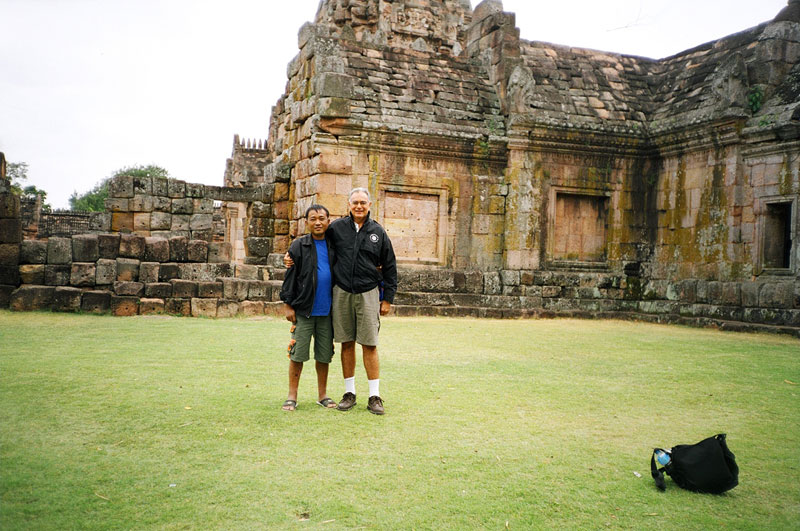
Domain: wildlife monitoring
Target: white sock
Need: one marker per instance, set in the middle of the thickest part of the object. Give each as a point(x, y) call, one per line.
point(350, 385)
point(374, 387)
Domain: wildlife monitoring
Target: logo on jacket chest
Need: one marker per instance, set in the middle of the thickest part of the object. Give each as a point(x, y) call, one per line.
point(373, 238)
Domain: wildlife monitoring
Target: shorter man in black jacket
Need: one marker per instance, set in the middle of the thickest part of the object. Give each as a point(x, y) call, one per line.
point(306, 293)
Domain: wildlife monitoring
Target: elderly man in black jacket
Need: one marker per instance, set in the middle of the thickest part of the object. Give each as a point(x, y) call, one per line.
point(306, 293)
point(364, 260)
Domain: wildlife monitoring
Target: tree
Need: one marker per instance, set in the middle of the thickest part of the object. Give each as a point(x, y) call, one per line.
point(18, 173)
point(94, 199)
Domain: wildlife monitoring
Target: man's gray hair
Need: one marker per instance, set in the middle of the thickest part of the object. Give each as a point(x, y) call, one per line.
point(357, 190)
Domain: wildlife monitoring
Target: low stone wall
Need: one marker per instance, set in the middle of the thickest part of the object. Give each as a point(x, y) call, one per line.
point(772, 305)
point(10, 237)
point(128, 274)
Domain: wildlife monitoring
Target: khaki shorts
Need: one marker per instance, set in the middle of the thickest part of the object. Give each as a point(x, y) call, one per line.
point(356, 316)
point(320, 329)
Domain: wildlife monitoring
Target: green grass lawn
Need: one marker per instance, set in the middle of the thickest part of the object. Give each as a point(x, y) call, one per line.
point(175, 423)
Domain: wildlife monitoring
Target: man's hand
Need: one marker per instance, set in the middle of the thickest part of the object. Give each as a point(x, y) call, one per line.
point(287, 260)
point(289, 312)
point(385, 307)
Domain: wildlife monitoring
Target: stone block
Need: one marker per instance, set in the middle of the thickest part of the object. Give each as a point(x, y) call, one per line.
point(259, 290)
point(160, 186)
point(197, 251)
point(66, 299)
point(178, 306)
point(203, 206)
point(210, 290)
point(96, 301)
point(160, 221)
point(29, 298)
point(195, 190)
point(750, 294)
point(127, 269)
point(133, 289)
point(32, 274)
point(184, 289)
point(115, 204)
point(59, 250)
point(204, 307)
point(201, 222)
point(219, 252)
point(33, 252)
point(9, 275)
point(122, 222)
point(158, 290)
point(161, 204)
point(143, 184)
point(335, 85)
point(148, 271)
point(227, 308)
point(198, 271)
point(108, 245)
point(178, 249)
point(100, 222)
point(261, 227)
point(234, 289)
point(168, 271)
point(5, 295)
point(140, 204)
point(491, 283)
point(10, 230)
point(131, 246)
point(246, 272)
point(9, 205)
point(257, 209)
point(776, 295)
point(259, 246)
point(182, 206)
point(731, 294)
point(57, 274)
point(106, 272)
point(85, 248)
point(509, 278)
point(156, 249)
point(141, 223)
point(123, 306)
point(9, 254)
point(551, 291)
point(205, 235)
point(151, 306)
point(176, 188)
point(251, 308)
point(180, 222)
point(121, 186)
point(83, 274)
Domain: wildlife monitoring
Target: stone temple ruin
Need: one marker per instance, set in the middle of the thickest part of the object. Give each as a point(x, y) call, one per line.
point(515, 178)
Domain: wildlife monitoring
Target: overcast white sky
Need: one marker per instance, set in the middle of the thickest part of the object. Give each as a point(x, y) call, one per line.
point(90, 86)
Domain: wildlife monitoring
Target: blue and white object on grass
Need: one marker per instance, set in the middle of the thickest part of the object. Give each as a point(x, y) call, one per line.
point(663, 457)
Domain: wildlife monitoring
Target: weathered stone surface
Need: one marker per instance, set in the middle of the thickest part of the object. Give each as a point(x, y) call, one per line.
point(178, 249)
point(122, 222)
point(85, 248)
point(108, 245)
point(33, 252)
point(227, 308)
point(134, 289)
point(148, 271)
point(29, 298)
point(5, 295)
point(9, 205)
point(121, 186)
point(32, 274)
point(67, 299)
point(200, 222)
point(197, 251)
point(83, 274)
point(57, 274)
point(158, 290)
point(219, 252)
point(776, 295)
point(180, 223)
point(156, 250)
point(246, 272)
point(182, 206)
point(235, 289)
point(204, 307)
point(160, 221)
point(59, 250)
point(259, 246)
point(124, 306)
point(9, 254)
point(184, 289)
point(251, 308)
point(131, 246)
point(168, 271)
point(259, 290)
point(100, 222)
point(10, 230)
point(178, 306)
point(210, 290)
point(96, 301)
point(151, 306)
point(105, 272)
point(127, 269)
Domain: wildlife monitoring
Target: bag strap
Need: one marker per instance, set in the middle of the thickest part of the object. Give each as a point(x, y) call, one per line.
point(657, 473)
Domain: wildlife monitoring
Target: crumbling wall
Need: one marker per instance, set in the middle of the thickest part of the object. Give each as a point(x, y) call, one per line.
point(10, 236)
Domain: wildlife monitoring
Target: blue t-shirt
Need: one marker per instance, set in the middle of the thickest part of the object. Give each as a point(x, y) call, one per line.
point(322, 297)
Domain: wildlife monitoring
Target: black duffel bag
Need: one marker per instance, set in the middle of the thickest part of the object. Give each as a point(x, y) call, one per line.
point(708, 466)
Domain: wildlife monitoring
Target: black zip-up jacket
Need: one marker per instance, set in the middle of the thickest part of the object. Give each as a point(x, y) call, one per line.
point(300, 283)
point(358, 255)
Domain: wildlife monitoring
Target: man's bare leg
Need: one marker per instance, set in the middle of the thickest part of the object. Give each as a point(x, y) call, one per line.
point(322, 380)
point(295, 368)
